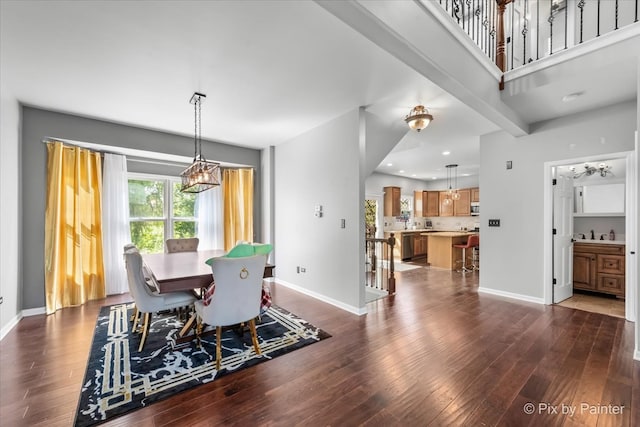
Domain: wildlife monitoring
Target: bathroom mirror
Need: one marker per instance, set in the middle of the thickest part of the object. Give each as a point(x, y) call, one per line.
point(599, 199)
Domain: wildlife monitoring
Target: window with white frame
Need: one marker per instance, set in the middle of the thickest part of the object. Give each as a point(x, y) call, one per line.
point(158, 210)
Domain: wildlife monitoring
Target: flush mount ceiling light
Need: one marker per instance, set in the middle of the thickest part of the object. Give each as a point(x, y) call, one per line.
point(202, 174)
point(418, 118)
point(602, 169)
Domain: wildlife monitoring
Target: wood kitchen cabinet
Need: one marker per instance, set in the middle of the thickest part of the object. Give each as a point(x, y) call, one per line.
point(391, 201)
point(445, 209)
point(599, 268)
point(430, 203)
point(462, 206)
point(475, 195)
point(419, 245)
point(417, 204)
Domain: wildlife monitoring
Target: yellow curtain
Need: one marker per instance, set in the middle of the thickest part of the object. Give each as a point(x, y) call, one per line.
point(237, 191)
point(74, 272)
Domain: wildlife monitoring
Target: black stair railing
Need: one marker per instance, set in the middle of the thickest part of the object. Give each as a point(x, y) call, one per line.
point(513, 33)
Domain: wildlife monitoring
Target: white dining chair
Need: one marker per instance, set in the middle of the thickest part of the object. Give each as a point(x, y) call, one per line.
point(146, 301)
point(236, 298)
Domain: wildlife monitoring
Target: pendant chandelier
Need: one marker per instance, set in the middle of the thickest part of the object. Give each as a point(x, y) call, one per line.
point(418, 118)
point(202, 174)
point(451, 193)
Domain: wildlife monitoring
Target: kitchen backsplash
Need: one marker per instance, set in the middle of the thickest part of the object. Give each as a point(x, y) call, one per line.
point(445, 223)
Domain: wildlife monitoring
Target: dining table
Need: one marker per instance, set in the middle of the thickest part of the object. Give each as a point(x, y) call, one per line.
point(184, 271)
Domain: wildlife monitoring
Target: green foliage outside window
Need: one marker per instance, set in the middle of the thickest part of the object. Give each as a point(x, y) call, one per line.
point(148, 236)
point(146, 199)
point(147, 210)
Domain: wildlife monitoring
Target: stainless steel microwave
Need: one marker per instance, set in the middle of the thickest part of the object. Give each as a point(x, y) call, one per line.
point(475, 209)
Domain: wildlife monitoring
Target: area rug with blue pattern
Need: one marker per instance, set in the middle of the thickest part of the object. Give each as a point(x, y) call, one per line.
point(120, 379)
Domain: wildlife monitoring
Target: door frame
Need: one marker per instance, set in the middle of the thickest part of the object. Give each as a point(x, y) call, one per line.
point(631, 289)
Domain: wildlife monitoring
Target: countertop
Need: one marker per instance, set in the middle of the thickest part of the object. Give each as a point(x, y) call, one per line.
point(600, 242)
point(451, 233)
point(428, 230)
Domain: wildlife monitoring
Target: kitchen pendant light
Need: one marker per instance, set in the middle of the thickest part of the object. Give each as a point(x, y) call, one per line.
point(451, 194)
point(418, 118)
point(202, 174)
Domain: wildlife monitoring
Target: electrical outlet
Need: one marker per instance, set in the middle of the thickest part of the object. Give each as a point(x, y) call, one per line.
point(494, 223)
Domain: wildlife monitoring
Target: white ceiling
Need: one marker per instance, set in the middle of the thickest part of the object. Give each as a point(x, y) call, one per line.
point(271, 70)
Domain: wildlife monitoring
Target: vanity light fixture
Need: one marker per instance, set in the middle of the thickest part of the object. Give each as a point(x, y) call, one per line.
point(202, 174)
point(418, 118)
point(602, 169)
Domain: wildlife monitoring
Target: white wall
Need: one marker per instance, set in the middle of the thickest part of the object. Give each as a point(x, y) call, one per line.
point(322, 167)
point(10, 288)
point(516, 196)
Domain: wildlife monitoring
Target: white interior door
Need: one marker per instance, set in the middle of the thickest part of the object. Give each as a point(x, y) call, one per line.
point(563, 238)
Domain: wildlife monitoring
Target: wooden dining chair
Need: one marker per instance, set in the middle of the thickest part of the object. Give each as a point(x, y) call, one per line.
point(187, 244)
point(236, 298)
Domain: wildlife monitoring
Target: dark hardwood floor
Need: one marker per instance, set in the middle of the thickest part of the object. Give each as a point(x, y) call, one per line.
point(437, 353)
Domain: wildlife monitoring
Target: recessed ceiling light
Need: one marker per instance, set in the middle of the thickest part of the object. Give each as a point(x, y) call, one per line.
point(466, 174)
point(389, 164)
point(572, 96)
point(446, 153)
point(401, 171)
point(413, 175)
point(434, 177)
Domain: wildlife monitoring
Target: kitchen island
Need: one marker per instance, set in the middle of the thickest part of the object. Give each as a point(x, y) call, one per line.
point(440, 250)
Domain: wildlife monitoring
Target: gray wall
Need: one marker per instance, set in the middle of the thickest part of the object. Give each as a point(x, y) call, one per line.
point(516, 196)
point(38, 124)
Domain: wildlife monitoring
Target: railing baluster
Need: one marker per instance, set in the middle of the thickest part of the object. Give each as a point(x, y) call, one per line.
point(537, 30)
point(512, 27)
point(493, 31)
point(524, 34)
point(598, 21)
point(550, 19)
point(581, 6)
point(463, 23)
point(476, 13)
point(616, 27)
point(566, 16)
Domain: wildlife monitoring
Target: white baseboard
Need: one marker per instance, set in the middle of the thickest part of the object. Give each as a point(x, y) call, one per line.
point(33, 311)
point(18, 317)
point(511, 295)
point(323, 298)
point(9, 326)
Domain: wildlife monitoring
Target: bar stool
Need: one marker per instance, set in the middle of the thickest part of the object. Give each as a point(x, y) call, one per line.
point(473, 241)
